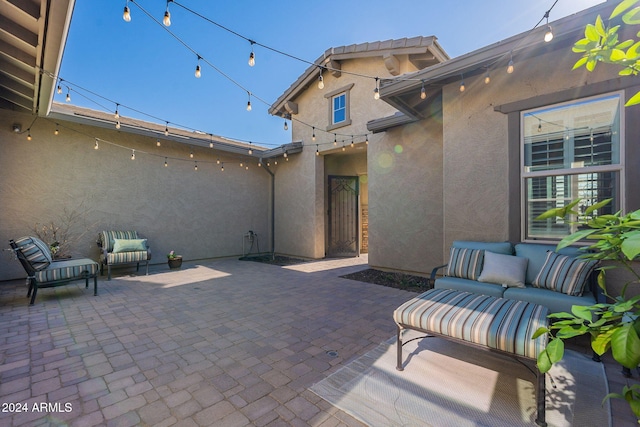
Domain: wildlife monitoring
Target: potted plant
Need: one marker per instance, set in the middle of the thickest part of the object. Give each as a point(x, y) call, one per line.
point(175, 261)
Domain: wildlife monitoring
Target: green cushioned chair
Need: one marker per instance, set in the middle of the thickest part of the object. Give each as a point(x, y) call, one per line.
point(44, 272)
point(122, 247)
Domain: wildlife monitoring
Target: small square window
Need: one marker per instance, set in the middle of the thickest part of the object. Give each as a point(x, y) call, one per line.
point(338, 103)
point(339, 108)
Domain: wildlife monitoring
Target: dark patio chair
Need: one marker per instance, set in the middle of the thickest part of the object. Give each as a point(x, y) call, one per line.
point(44, 272)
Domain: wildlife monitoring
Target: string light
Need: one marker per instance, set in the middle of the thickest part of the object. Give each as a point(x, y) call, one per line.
point(96, 146)
point(548, 36)
point(285, 154)
point(167, 16)
point(462, 87)
point(117, 124)
point(366, 141)
point(133, 154)
point(487, 78)
point(335, 139)
point(320, 80)
point(286, 126)
point(249, 102)
point(218, 161)
point(222, 167)
point(317, 151)
point(198, 73)
point(351, 141)
point(29, 134)
point(165, 162)
point(313, 136)
point(59, 89)
point(376, 91)
point(56, 132)
point(250, 150)
point(166, 129)
point(196, 167)
point(117, 114)
point(252, 55)
point(126, 15)
point(68, 98)
point(191, 155)
point(157, 143)
point(510, 66)
point(423, 92)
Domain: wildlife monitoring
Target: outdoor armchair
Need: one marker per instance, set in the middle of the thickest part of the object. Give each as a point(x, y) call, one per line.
point(122, 247)
point(44, 272)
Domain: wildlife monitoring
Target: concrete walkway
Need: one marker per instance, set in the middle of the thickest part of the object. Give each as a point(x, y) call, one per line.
point(222, 342)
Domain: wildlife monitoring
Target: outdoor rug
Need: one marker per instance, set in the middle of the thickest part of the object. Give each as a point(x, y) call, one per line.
point(448, 384)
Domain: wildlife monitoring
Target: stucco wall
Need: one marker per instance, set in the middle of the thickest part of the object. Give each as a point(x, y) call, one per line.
point(301, 184)
point(199, 214)
point(405, 197)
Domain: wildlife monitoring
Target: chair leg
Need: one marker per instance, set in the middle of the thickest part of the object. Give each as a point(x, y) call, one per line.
point(540, 399)
point(30, 282)
point(35, 292)
point(95, 285)
point(108, 271)
point(399, 349)
point(138, 266)
point(147, 267)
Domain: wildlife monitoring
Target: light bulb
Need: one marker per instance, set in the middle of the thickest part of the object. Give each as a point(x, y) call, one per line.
point(211, 145)
point(510, 67)
point(286, 126)
point(250, 150)
point(366, 141)
point(198, 73)
point(462, 87)
point(126, 15)
point(248, 105)
point(423, 93)
point(118, 124)
point(167, 19)
point(95, 147)
point(218, 161)
point(59, 89)
point(196, 167)
point(157, 143)
point(320, 82)
point(376, 94)
point(285, 154)
point(117, 114)
point(166, 129)
point(56, 132)
point(191, 155)
point(133, 154)
point(335, 139)
point(252, 59)
point(487, 78)
point(222, 167)
point(317, 152)
point(165, 162)
point(548, 36)
point(29, 135)
point(313, 137)
point(68, 99)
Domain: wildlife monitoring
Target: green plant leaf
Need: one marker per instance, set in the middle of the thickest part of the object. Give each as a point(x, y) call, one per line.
point(617, 55)
point(575, 237)
point(625, 346)
point(571, 331)
point(541, 331)
point(631, 244)
point(544, 362)
point(579, 64)
point(597, 206)
point(583, 312)
point(623, 7)
point(601, 341)
point(632, 17)
point(555, 350)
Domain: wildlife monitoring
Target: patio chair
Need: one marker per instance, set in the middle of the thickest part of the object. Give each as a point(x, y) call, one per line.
point(44, 272)
point(122, 247)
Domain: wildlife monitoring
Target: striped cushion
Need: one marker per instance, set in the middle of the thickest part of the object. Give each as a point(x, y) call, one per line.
point(497, 323)
point(69, 269)
point(465, 263)
point(564, 274)
point(108, 237)
point(35, 251)
point(124, 257)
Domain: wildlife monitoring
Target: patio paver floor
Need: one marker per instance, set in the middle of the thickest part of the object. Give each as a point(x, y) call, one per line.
point(219, 342)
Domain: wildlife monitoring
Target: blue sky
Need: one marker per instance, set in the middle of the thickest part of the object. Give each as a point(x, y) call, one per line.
point(140, 65)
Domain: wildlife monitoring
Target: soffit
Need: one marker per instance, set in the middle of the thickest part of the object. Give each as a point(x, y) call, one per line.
point(404, 93)
point(421, 52)
point(32, 38)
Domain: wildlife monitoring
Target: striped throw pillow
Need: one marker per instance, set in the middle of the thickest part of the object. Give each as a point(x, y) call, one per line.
point(465, 263)
point(35, 251)
point(564, 274)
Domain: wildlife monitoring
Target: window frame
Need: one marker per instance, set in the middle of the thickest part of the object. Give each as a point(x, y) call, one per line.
point(346, 90)
point(617, 168)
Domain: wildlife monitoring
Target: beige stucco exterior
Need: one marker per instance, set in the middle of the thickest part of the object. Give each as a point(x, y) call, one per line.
point(199, 214)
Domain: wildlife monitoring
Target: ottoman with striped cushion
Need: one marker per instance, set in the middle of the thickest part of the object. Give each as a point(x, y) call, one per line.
point(483, 321)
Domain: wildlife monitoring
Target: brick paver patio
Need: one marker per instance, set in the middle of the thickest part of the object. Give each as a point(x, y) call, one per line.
point(221, 342)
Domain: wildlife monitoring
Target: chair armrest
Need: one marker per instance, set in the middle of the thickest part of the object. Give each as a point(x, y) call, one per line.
point(434, 271)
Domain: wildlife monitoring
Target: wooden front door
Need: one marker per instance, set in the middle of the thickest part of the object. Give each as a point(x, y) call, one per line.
point(343, 216)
